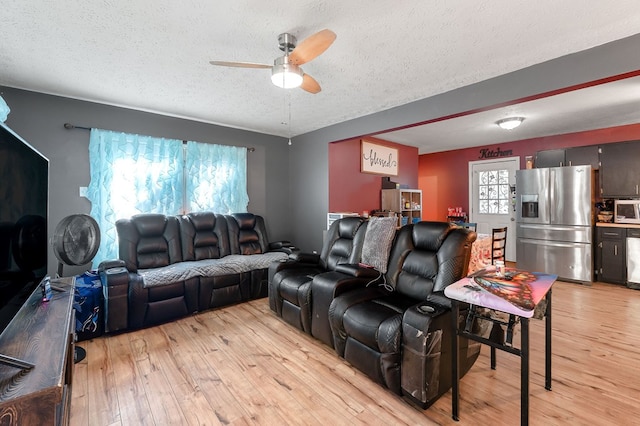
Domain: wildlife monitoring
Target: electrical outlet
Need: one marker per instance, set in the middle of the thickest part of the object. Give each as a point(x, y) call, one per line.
point(83, 191)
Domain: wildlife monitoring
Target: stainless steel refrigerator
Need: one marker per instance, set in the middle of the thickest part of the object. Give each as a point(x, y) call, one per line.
point(554, 229)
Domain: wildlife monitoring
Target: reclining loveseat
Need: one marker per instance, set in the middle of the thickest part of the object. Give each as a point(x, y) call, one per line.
point(291, 282)
point(392, 324)
point(172, 266)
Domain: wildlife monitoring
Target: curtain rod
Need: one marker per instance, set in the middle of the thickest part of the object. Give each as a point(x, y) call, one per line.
point(70, 126)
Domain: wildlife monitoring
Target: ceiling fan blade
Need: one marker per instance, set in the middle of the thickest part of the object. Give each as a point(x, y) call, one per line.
point(311, 47)
point(240, 64)
point(310, 84)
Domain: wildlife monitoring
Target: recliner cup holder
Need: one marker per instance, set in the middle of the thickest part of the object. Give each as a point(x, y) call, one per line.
point(426, 309)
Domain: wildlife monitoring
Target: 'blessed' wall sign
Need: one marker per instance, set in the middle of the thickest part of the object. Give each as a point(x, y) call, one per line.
point(378, 159)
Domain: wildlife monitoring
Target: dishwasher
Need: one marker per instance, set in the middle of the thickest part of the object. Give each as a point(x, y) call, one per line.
point(633, 258)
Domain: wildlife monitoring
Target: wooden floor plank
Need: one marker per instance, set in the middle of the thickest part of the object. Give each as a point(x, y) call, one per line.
point(79, 415)
point(192, 333)
point(155, 364)
point(103, 398)
point(296, 386)
point(133, 400)
point(242, 365)
point(184, 379)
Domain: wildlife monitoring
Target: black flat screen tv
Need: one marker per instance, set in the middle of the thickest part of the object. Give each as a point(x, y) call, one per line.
point(24, 201)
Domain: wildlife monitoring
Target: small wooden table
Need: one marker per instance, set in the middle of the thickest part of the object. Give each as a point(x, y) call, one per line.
point(518, 297)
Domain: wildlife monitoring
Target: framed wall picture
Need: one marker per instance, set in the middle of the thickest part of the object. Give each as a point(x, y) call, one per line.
point(378, 159)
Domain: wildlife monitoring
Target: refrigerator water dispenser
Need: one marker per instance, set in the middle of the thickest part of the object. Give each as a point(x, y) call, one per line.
point(529, 205)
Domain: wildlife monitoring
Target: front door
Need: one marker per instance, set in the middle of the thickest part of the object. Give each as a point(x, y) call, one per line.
point(492, 197)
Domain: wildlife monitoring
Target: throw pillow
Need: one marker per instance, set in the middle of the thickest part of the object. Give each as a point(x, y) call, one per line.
point(377, 242)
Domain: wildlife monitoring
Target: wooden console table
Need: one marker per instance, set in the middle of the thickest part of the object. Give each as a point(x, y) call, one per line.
point(41, 334)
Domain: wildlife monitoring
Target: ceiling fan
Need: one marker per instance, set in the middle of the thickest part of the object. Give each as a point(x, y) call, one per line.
point(286, 71)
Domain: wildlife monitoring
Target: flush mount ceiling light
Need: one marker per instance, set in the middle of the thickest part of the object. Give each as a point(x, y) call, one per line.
point(510, 123)
point(285, 74)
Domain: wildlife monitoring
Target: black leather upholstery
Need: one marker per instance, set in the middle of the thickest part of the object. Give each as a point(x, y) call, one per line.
point(290, 282)
point(326, 286)
point(154, 243)
point(248, 233)
point(151, 241)
point(204, 236)
point(383, 332)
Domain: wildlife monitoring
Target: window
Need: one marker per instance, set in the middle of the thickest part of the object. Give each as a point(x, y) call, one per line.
point(132, 174)
point(493, 192)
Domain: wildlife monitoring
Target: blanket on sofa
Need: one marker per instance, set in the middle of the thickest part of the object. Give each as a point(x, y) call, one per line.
point(232, 264)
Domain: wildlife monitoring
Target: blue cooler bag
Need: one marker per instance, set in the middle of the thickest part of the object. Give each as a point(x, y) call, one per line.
point(89, 306)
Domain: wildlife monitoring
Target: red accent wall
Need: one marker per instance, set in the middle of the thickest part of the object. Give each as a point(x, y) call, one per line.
point(353, 191)
point(443, 176)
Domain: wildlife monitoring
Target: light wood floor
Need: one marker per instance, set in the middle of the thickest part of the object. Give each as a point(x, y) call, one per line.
point(242, 365)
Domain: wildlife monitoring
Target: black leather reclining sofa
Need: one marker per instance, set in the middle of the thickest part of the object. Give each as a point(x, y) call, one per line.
point(393, 326)
point(172, 266)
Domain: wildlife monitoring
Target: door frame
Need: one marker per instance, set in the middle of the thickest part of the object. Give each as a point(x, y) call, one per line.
point(515, 163)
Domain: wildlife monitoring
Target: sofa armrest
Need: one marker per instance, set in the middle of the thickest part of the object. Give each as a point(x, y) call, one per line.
point(281, 265)
point(115, 289)
point(302, 257)
point(325, 287)
point(283, 246)
point(111, 263)
point(438, 298)
point(276, 245)
point(425, 350)
point(357, 270)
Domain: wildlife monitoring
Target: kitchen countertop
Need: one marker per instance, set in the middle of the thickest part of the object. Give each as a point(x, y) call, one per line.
point(618, 225)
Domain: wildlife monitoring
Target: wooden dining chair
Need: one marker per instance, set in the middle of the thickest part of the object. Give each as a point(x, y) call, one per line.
point(498, 244)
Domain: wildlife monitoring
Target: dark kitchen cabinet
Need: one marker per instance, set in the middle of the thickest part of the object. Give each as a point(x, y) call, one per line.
point(582, 156)
point(550, 158)
point(611, 266)
point(578, 156)
point(619, 171)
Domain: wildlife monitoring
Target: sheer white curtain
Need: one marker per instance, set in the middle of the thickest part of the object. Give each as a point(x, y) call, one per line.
point(131, 174)
point(4, 110)
point(216, 178)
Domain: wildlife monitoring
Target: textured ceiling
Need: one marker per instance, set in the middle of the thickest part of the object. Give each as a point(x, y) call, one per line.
point(611, 104)
point(154, 55)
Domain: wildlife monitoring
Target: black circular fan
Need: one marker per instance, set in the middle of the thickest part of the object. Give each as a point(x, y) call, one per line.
point(76, 240)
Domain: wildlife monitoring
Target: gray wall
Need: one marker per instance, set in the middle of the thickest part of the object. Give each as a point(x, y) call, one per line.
point(309, 152)
point(39, 119)
point(288, 185)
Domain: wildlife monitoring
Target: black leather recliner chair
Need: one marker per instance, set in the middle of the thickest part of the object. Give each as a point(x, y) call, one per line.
point(248, 235)
point(204, 235)
point(290, 281)
point(148, 241)
point(399, 333)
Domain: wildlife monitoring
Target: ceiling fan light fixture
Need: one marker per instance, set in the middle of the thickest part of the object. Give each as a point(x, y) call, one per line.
point(285, 74)
point(510, 123)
